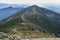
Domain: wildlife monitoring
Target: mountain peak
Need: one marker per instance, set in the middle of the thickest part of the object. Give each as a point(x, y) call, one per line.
point(34, 6)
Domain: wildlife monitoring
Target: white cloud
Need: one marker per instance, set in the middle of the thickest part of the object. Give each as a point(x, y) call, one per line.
point(30, 1)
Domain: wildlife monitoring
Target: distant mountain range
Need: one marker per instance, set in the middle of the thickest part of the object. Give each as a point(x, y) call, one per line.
point(2, 5)
point(33, 18)
point(4, 13)
point(54, 7)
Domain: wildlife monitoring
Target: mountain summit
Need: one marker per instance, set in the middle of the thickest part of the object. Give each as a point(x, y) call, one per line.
point(33, 18)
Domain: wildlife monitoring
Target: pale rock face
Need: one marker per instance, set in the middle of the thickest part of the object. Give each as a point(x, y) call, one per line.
point(50, 15)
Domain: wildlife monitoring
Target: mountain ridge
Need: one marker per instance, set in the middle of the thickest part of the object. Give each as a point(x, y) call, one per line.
point(34, 18)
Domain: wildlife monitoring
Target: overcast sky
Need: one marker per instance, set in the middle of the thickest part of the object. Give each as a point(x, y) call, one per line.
point(30, 1)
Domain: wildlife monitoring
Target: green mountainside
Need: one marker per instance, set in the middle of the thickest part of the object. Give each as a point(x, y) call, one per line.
point(34, 19)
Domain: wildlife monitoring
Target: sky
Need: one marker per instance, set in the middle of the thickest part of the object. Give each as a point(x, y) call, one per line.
point(30, 1)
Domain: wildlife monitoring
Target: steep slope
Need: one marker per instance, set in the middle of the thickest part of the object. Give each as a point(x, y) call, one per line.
point(33, 18)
